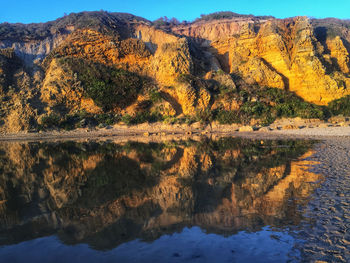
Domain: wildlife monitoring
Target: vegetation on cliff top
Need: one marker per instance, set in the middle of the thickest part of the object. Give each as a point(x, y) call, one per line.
point(227, 15)
point(102, 21)
point(329, 28)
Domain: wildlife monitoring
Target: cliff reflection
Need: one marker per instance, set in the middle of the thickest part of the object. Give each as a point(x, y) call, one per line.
point(106, 193)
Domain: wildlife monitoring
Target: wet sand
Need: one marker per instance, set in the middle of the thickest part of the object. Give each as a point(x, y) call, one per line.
point(326, 228)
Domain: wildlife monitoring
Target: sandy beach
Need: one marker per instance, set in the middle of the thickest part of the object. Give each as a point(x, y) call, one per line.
point(161, 131)
point(328, 235)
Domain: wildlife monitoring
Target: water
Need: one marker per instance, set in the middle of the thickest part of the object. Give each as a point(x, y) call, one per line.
point(223, 200)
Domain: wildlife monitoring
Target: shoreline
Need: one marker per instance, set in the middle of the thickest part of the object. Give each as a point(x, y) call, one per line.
point(167, 132)
point(324, 238)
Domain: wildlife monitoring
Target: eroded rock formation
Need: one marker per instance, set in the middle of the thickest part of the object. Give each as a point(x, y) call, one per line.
point(307, 56)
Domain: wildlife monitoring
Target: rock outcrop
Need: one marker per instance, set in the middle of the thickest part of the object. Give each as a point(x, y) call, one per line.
point(277, 53)
point(306, 56)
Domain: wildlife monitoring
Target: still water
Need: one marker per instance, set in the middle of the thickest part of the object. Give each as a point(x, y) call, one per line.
point(222, 200)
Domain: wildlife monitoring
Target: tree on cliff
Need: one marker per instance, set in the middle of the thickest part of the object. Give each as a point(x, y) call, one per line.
point(165, 22)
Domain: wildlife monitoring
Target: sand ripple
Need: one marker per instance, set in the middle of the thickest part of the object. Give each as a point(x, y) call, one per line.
point(326, 229)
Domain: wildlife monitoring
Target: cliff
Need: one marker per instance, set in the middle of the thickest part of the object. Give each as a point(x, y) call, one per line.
point(75, 63)
point(284, 54)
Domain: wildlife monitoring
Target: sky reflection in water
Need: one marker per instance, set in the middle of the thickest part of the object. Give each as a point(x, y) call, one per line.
point(190, 245)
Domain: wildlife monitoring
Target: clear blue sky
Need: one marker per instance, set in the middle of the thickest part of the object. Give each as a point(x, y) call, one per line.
point(28, 11)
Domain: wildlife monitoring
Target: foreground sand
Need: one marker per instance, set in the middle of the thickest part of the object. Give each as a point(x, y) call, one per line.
point(316, 132)
point(326, 224)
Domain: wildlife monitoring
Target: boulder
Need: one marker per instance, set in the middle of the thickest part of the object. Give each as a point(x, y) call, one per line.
point(246, 129)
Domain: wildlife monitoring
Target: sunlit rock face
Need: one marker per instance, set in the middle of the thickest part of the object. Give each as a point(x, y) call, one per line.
point(86, 191)
point(284, 54)
point(307, 56)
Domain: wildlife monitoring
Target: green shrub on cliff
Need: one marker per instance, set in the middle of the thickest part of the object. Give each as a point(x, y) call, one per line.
point(340, 106)
point(146, 116)
point(256, 108)
point(204, 116)
point(50, 121)
point(287, 104)
point(227, 117)
point(107, 118)
point(109, 87)
point(224, 15)
point(267, 104)
point(141, 117)
point(155, 96)
point(185, 78)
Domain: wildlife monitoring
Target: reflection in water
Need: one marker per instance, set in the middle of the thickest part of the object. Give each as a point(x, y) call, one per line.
point(117, 196)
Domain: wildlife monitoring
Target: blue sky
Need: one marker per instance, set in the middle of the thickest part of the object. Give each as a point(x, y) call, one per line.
point(27, 11)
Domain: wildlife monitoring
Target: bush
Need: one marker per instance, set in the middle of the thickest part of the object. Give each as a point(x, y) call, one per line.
point(270, 104)
point(340, 106)
point(287, 104)
point(127, 119)
point(109, 87)
point(69, 122)
point(142, 117)
point(256, 109)
point(204, 116)
point(227, 117)
point(267, 119)
point(225, 91)
point(170, 120)
point(185, 78)
point(243, 95)
point(165, 22)
point(308, 111)
point(107, 118)
point(155, 96)
point(186, 120)
point(50, 121)
point(223, 15)
point(284, 110)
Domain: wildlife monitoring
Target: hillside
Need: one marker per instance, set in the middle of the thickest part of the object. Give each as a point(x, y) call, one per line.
point(99, 68)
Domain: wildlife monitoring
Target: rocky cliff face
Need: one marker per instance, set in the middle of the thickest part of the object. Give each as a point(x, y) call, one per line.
point(308, 57)
point(285, 54)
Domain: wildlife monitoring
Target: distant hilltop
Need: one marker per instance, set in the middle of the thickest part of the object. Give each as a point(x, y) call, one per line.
point(99, 68)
